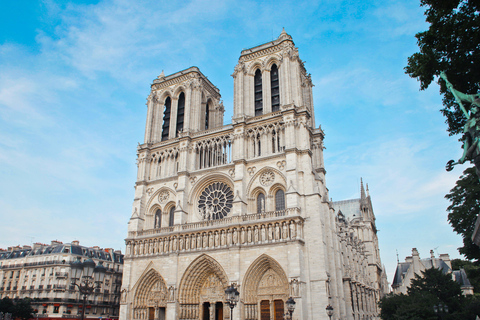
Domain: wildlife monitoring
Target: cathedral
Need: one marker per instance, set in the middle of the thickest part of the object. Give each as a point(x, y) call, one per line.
point(244, 205)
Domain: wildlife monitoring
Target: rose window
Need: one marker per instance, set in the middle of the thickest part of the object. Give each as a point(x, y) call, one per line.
point(215, 201)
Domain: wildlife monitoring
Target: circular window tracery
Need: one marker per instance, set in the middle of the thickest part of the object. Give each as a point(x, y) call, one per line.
point(216, 201)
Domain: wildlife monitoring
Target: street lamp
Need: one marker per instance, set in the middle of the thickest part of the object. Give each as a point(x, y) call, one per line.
point(290, 307)
point(87, 283)
point(329, 310)
point(440, 309)
point(232, 298)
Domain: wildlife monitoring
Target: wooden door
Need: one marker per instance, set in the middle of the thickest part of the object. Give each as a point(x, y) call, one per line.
point(151, 313)
point(265, 310)
point(278, 307)
point(219, 311)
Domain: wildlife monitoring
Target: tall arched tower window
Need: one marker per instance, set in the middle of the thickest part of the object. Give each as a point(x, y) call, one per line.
point(171, 217)
point(166, 118)
point(258, 93)
point(180, 113)
point(207, 114)
point(158, 219)
point(279, 200)
point(260, 203)
point(275, 85)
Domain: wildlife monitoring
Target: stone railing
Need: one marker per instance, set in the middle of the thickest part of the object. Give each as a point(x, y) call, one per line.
point(252, 232)
point(291, 212)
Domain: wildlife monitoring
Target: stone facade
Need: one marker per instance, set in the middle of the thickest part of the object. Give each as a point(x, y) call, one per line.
point(42, 273)
point(243, 204)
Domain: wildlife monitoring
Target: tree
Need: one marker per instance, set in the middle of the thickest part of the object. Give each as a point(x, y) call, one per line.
point(429, 289)
point(451, 44)
point(463, 211)
point(19, 308)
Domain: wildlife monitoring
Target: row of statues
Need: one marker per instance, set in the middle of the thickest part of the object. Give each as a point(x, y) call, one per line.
point(286, 230)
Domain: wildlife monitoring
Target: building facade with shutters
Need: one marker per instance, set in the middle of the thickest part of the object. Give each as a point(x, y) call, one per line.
point(243, 204)
point(42, 273)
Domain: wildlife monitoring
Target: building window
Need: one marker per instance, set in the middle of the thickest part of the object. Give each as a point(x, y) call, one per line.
point(275, 88)
point(261, 203)
point(171, 216)
point(207, 114)
point(216, 201)
point(166, 118)
point(180, 112)
point(158, 219)
point(258, 93)
point(279, 200)
point(55, 309)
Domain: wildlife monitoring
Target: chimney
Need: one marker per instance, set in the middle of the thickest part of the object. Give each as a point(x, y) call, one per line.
point(76, 242)
point(446, 258)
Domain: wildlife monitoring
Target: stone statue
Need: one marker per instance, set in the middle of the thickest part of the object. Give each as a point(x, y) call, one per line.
point(471, 130)
point(255, 237)
point(285, 231)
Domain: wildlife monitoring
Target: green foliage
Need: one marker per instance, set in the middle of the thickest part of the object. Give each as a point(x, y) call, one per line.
point(451, 44)
point(19, 308)
point(473, 272)
point(463, 211)
point(426, 291)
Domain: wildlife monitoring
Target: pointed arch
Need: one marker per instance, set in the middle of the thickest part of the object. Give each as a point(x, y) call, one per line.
point(196, 275)
point(151, 290)
point(263, 266)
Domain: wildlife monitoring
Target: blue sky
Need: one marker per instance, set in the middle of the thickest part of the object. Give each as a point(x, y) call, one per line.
point(74, 78)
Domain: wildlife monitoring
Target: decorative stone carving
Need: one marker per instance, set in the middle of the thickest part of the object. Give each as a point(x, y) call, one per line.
point(216, 201)
point(251, 170)
point(281, 164)
point(163, 196)
point(149, 191)
point(267, 178)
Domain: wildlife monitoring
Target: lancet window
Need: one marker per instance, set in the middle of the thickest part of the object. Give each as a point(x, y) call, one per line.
point(258, 93)
point(275, 87)
point(180, 113)
point(279, 200)
point(260, 203)
point(171, 218)
point(158, 219)
point(213, 152)
point(166, 118)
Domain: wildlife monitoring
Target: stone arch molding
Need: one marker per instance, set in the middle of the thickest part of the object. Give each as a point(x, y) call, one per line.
point(280, 180)
point(265, 277)
point(153, 200)
point(150, 290)
point(204, 276)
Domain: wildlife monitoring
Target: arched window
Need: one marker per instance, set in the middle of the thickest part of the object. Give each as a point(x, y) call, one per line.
point(260, 203)
point(180, 113)
point(275, 85)
point(171, 217)
point(279, 200)
point(258, 93)
point(158, 219)
point(166, 118)
point(207, 114)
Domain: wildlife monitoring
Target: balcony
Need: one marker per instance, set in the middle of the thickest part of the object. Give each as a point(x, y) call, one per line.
point(61, 275)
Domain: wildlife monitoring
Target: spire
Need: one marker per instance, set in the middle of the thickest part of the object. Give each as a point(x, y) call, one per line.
point(162, 75)
point(284, 35)
point(362, 190)
point(368, 192)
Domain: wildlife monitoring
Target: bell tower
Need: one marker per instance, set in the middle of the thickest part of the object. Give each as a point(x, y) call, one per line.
point(184, 102)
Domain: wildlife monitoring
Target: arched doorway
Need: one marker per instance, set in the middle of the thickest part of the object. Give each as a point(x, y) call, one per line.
point(202, 290)
point(265, 290)
point(150, 301)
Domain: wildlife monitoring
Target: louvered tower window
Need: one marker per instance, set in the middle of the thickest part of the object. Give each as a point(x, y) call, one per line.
point(166, 118)
point(180, 112)
point(207, 114)
point(258, 93)
point(275, 88)
point(171, 216)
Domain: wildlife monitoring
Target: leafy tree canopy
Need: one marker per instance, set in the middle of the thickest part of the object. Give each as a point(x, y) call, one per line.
point(426, 291)
point(463, 211)
point(451, 44)
point(19, 308)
